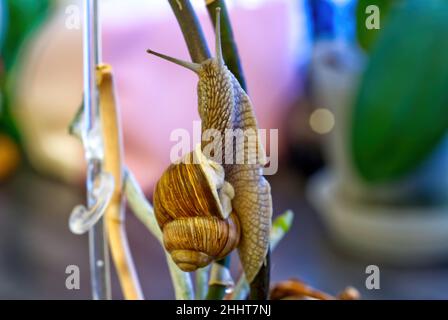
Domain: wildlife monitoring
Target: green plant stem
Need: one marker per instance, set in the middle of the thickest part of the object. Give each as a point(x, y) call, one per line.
point(183, 287)
point(191, 30)
point(219, 279)
point(202, 282)
point(229, 47)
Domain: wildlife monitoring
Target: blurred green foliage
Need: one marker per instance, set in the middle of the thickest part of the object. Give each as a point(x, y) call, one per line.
point(19, 18)
point(401, 112)
point(23, 16)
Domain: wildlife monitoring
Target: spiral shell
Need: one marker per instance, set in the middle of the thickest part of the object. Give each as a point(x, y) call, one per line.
point(192, 204)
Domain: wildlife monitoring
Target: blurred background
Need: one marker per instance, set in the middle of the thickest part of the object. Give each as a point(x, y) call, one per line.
point(357, 91)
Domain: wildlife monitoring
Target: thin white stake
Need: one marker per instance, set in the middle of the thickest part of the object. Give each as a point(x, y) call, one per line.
point(98, 253)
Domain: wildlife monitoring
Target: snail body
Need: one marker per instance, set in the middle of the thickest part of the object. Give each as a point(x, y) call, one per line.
point(223, 105)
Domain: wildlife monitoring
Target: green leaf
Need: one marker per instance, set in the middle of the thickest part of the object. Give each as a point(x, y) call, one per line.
point(401, 112)
point(280, 227)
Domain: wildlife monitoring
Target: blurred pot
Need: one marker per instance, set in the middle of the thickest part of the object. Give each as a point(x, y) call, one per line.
point(402, 221)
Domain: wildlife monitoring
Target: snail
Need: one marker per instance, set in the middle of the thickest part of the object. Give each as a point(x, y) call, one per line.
point(223, 105)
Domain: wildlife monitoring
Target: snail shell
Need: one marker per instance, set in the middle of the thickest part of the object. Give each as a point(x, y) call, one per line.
point(192, 205)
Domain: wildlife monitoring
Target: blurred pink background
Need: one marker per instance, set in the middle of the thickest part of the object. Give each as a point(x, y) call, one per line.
point(157, 97)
